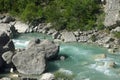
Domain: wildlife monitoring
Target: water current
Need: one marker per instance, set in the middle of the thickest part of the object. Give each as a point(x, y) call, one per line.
point(81, 59)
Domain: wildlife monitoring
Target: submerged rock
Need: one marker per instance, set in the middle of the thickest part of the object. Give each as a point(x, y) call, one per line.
point(100, 56)
point(111, 64)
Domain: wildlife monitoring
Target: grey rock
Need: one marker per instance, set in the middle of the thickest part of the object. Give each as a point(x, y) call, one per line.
point(117, 29)
point(9, 29)
point(30, 61)
point(5, 78)
point(8, 19)
point(68, 37)
point(21, 27)
point(83, 38)
point(33, 58)
point(7, 56)
point(76, 33)
point(51, 49)
point(55, 35)
point(47, 76)
point(108, 39)
point(112, 9)
point(51, 31)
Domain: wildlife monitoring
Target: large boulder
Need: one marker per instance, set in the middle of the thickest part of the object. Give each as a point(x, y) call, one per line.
point(33, 58)
point(68, 37)
point(112, 12)
point(30, 61)
point(51, 49)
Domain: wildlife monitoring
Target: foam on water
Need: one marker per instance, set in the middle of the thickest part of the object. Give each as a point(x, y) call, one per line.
point(103, 68)
point(20, 43)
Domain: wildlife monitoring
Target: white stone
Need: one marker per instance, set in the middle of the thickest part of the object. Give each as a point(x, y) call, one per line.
point(48, 76)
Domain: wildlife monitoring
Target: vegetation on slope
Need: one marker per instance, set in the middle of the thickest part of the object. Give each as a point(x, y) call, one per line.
point(63, 14)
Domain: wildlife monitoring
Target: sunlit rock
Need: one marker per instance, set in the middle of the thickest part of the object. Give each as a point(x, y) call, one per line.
point(47, 76)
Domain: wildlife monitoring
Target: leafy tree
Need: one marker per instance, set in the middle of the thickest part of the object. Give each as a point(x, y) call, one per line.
point(63, 14)
point(30, 12)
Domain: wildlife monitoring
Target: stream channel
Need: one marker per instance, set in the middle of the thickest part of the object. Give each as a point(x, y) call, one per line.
point(81, 61)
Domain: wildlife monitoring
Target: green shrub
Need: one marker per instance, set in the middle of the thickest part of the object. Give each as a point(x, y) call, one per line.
point(117, 34)
point(30, 12)
point(63, 76)
point(63, 14)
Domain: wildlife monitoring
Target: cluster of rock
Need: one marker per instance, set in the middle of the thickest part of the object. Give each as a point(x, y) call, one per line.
point(101, 60)
point(6, 25)
point(101, 38)
point(7, 49)
point(31, 60)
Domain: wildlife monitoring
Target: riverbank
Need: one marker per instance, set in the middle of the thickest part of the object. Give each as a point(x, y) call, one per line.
point(105, 38)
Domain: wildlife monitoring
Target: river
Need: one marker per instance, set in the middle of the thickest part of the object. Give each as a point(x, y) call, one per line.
point(81, 59)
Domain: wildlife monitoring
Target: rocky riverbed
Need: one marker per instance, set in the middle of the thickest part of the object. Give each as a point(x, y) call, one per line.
point(39, 52)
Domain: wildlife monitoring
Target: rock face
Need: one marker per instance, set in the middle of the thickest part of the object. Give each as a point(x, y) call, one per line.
point(9, 29)
point(112, 10)
point(68, 37)
point(33, 59)
point(21, 27)
point(6, 46)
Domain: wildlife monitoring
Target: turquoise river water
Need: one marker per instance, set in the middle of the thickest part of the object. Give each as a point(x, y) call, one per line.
point(81, 59)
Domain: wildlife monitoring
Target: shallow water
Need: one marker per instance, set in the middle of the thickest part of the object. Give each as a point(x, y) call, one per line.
point(80, 61)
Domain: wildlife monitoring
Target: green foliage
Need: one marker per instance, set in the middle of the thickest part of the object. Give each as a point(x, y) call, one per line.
point(63, 14)
point(63, 76)
point(30, 13)
point(72, 14)
point(117, 34)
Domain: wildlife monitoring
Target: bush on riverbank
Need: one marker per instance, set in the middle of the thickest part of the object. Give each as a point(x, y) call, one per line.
point(117, 34)
point(63, 14)
point(63, 76)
